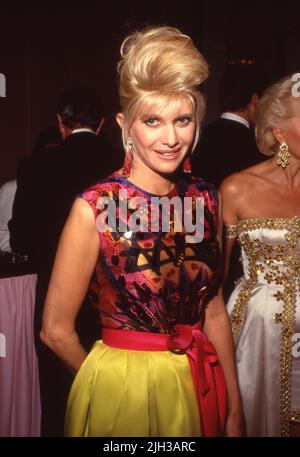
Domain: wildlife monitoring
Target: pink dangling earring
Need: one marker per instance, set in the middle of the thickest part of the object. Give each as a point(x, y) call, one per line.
point(127, 162)
point(187, 166)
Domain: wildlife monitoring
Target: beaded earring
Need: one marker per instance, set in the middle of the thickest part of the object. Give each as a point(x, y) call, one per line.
point(128, 161)
point(187, 166)
point(283, 155)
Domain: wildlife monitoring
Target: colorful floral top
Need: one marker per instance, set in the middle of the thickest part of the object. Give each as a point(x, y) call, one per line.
point(150, 278)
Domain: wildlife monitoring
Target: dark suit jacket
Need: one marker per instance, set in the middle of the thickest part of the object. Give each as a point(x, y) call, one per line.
point(225, 147)
point(47, 185)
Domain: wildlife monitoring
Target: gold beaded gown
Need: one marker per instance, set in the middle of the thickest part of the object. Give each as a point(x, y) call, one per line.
point(265, 313)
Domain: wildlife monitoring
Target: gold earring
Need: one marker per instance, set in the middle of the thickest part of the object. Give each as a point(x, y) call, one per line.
point(283, 155)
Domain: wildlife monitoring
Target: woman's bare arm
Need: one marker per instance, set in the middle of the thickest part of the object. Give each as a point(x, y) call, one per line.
point(75, 261)
point(217, 327)
point(230, 192)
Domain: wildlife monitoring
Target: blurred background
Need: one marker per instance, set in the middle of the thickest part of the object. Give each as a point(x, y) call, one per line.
point(47, 48)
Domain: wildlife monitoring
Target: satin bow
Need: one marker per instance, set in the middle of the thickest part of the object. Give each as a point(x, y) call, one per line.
point(194, 343)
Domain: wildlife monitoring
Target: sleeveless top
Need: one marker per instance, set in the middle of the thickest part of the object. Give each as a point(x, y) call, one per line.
point(152, 279)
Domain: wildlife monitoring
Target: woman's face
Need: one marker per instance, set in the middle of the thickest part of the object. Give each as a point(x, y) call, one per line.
point(162, 137)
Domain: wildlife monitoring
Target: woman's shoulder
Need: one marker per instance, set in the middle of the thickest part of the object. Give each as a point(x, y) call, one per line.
point(200, 188)
point(234, 183)
point(200, 185)
point(238, 188)
point(106, 185)
point(241, 180)
point(100, 191)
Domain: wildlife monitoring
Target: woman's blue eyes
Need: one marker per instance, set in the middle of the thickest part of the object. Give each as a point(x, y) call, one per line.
point(184, 120)
point(153, 121)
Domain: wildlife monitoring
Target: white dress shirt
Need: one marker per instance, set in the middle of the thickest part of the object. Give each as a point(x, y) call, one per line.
point(236, 118)
point(84, 129)
point(7, 195)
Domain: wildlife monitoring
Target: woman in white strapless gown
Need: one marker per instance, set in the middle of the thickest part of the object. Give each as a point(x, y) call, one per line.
point(265, 314)
point(262, 212)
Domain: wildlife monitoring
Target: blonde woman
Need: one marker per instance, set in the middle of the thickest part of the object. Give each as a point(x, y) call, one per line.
point(262, 211)
point(166, 357)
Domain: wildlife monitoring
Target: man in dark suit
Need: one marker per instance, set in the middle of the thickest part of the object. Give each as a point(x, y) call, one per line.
point(26, 216)
point(54, 177)
point(228, 144)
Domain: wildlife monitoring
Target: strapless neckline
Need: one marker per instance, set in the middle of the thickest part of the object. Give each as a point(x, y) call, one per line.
point(271, 223)
point(268, 218)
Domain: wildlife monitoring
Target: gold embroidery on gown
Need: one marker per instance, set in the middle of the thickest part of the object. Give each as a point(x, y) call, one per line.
point(231, 231)
point(268, 297)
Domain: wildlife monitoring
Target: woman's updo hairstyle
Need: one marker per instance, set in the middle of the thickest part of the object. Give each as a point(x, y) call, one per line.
point(276, 106)
point(159, 62)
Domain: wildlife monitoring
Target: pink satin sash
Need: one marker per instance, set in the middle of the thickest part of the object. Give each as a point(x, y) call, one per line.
point(206, 370)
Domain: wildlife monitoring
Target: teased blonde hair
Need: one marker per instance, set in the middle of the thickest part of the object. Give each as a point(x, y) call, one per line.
point(274, 108)
point(159, 62)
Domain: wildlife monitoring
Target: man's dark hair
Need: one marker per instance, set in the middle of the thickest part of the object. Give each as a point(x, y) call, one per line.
point(237, 86)
point(80, 106)
point(47, 138)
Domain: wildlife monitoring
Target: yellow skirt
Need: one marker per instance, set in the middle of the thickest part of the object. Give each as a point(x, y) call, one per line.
point(120, 392)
